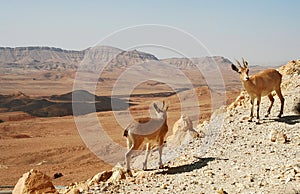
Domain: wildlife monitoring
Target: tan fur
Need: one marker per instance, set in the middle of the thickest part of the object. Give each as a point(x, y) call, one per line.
point(261, 84)
point(147, 131)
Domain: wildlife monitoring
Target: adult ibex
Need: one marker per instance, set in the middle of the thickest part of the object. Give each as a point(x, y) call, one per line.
point(260, 84)
point(147, 131)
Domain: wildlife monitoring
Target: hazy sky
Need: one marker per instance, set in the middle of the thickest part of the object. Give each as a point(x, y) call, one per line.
point(262, 31)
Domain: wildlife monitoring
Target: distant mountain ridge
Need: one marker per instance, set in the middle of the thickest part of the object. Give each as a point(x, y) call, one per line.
point(51, 58)
point(45, 58)
point(186, 63)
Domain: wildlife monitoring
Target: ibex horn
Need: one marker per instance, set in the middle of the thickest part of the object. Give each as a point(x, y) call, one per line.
point(245, 63)
point(238, 63)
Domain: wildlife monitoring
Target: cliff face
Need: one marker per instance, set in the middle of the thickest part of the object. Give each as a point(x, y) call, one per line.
point(47, 58)
point(128, 58)
point(97, 57)
point(204, 62)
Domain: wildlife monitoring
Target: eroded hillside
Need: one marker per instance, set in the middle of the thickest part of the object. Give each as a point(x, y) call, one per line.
point(242, 156)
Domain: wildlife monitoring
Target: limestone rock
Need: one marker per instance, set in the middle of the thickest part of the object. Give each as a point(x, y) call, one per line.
point(292, 67)
point(241, 100)
point(221, 191)
point(34, 181)
point(117, 175)
point(101, 177)
point(181, 129)
point(72, 191)
point(76, 188)
point(143, 174)
point(278, 136)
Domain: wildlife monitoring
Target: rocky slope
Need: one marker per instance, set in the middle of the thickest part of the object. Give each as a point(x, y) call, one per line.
point(235, 156)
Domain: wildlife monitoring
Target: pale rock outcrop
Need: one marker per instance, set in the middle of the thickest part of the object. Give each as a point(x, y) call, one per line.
point(100, 177)
point(290, 72)
point(33, 182)
point(182, 129)
point(117, 175)
point(110, 177)
point(241, 100)
point(292, 67)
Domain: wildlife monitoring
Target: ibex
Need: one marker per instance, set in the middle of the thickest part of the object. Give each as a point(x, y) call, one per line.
point(147, 131)
point(260, 84)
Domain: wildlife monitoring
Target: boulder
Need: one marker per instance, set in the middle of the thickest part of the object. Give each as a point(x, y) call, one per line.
point(292, 67)
point(101, 177)
point(241, 100)
point(76, 188)
point(117, 175)
point(182, 130)
point(34, 181)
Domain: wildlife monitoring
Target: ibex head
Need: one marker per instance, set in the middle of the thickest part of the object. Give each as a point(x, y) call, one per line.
point(161, 112)
point(243, 71)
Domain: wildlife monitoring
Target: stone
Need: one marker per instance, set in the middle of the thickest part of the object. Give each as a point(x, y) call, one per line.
point(72, 191)
point(278, 136)
point(34, 181)
point(118, 174)
point(163, 186)
point(241, 100)
point(142, 174)
point(297, 169)
point(57, 175)
point(221, 191)
point(76, 188)
point(209, 173)
point(182, 129)
point(100, 177)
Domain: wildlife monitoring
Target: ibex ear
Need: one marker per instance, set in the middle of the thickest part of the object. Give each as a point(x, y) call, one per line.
point(167, 106)
point(156, 107)
point(246, 64)
point(234, 68)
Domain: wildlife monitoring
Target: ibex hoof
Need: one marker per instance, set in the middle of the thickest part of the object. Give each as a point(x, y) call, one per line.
point(129, 172)
point(279, 115)
point(161, 166)
point(144, 166)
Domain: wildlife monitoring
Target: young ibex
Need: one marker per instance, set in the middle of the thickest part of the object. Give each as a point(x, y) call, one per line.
point(147, 131)
point(260, 84)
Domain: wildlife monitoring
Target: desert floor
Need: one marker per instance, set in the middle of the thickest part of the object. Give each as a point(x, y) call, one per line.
point(53, 144)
